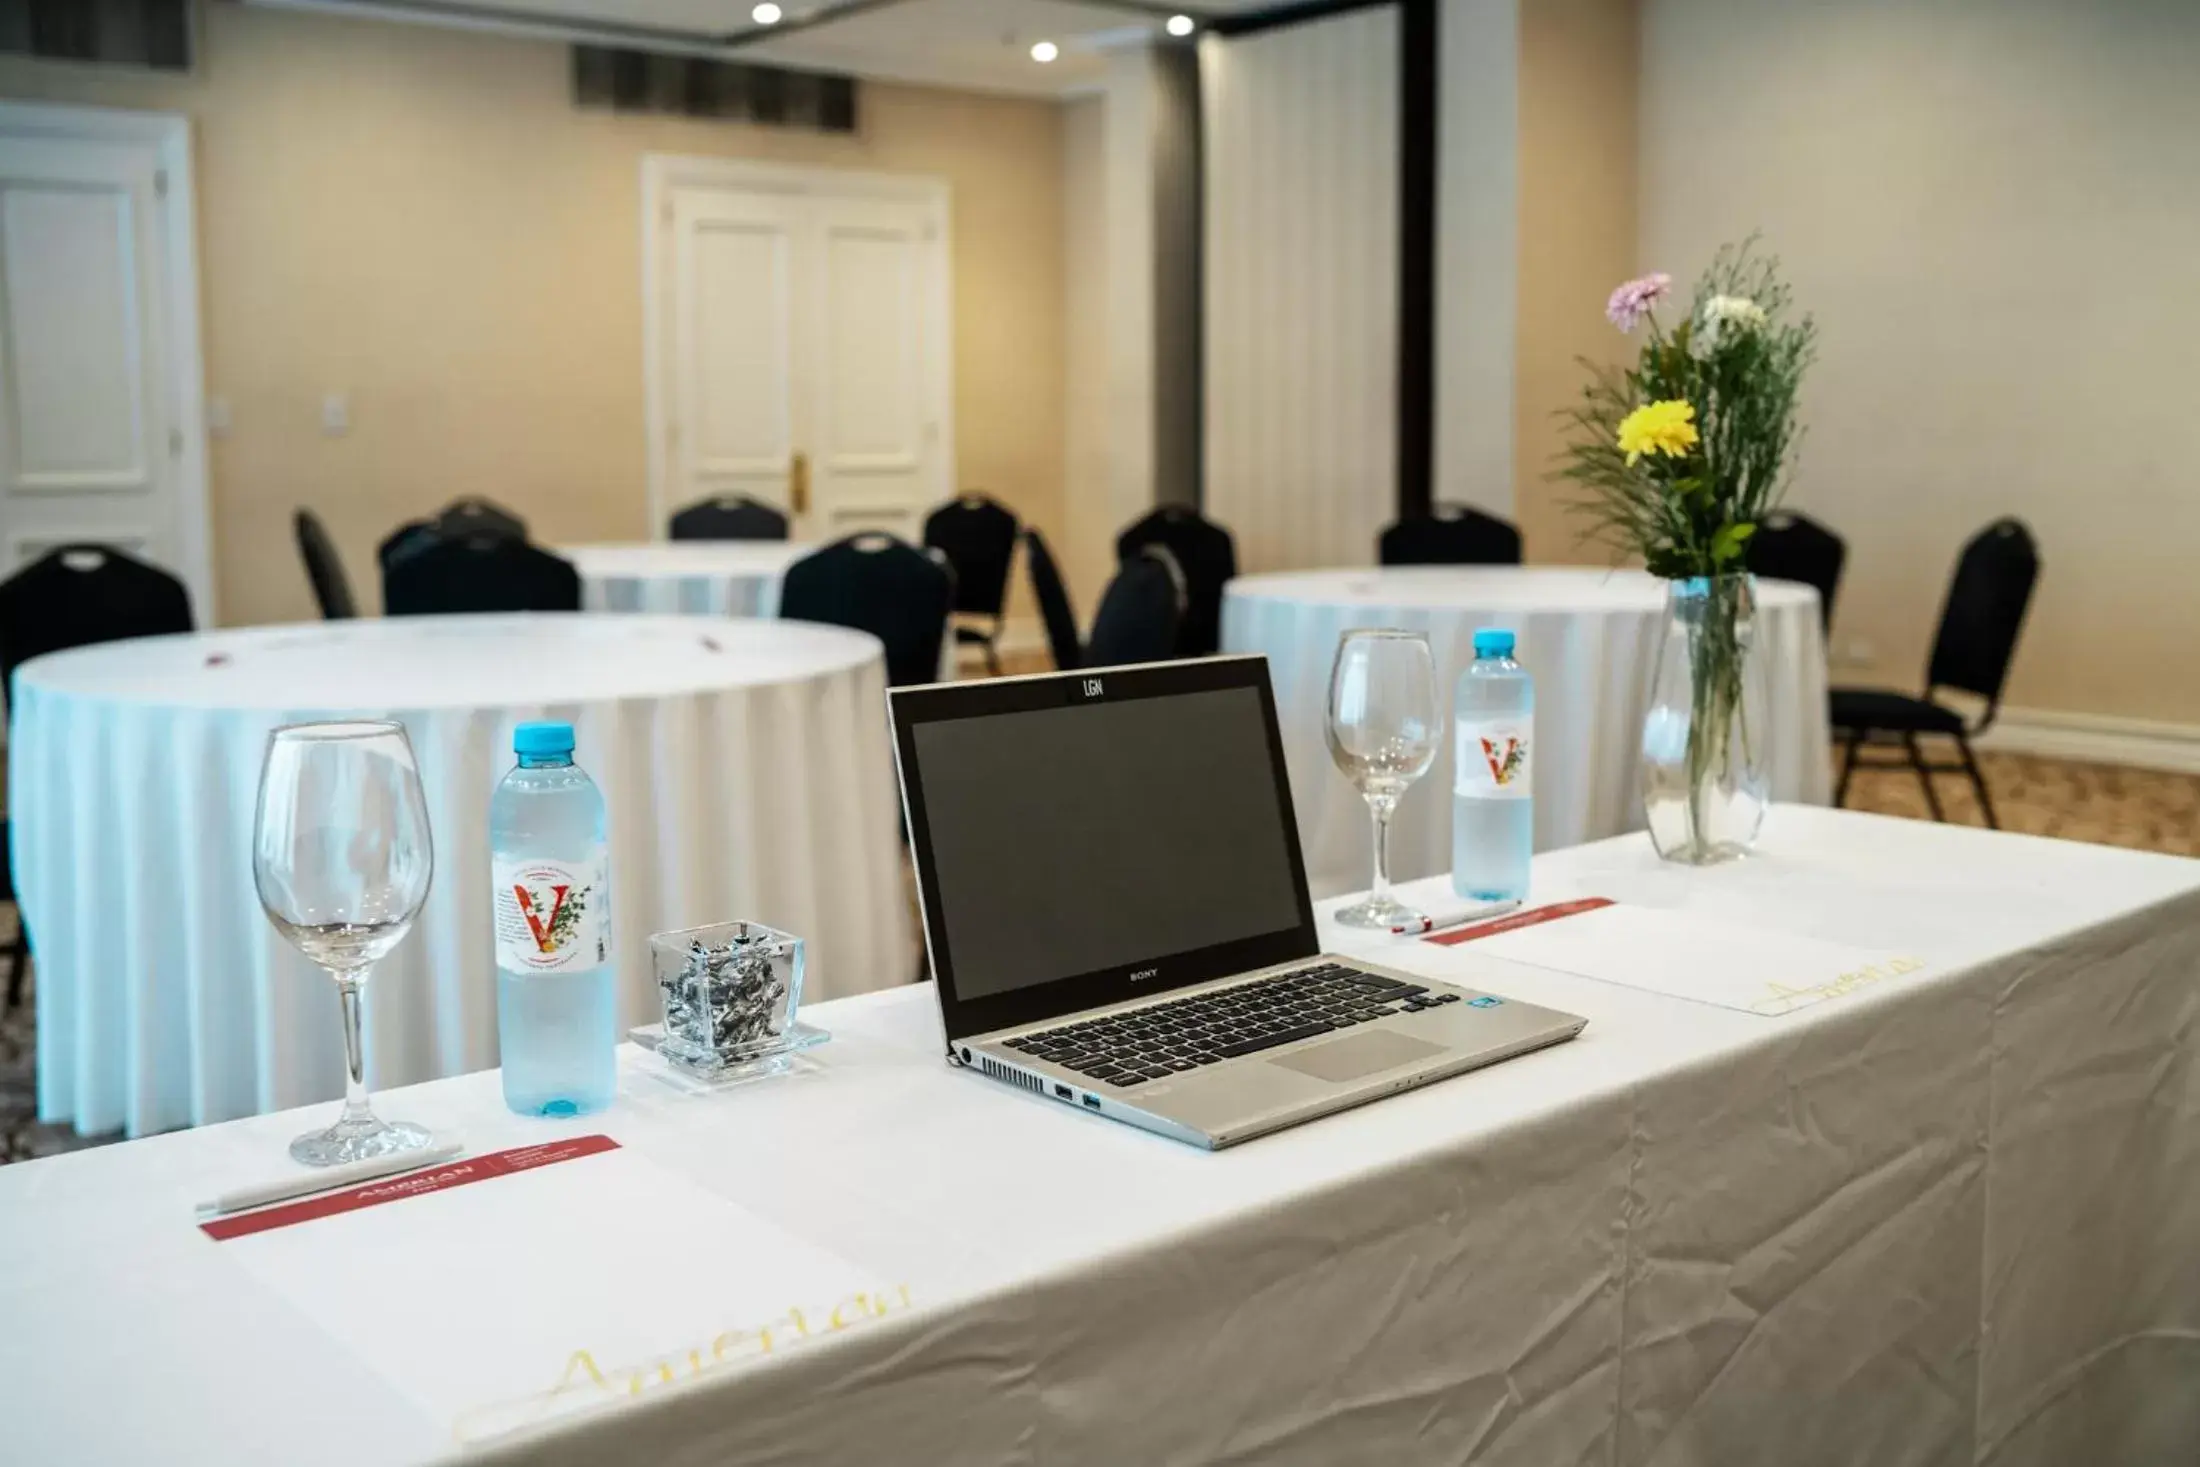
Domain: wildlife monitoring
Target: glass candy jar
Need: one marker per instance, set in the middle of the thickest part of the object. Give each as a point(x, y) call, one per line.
point(730, 992)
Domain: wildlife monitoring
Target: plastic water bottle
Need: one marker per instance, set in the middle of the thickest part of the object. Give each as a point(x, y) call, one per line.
point(1492, 806)
point(557, 1006)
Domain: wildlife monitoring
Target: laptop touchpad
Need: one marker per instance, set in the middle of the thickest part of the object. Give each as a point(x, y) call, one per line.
point(1361, 1054)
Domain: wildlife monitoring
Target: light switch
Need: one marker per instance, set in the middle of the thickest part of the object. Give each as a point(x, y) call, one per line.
point(217, 416)
point(335, 414)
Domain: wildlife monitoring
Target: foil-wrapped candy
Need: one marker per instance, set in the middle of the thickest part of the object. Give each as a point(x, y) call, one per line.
point(726, 996)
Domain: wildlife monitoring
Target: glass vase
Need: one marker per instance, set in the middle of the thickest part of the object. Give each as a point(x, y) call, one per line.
point(1704, 744)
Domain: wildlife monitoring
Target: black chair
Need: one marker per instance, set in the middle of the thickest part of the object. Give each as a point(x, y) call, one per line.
point(1208, 557)
point(324, 568)
point(879, 584)
point(479, 573)
point(1453, 535)
point(730, 517)
point(1140, 614)
point(472, 515)
point(977, 534)
point(1054, 607)
point(1795, 547)
point(1972, 649)
point(403, 541)
point(73, 596)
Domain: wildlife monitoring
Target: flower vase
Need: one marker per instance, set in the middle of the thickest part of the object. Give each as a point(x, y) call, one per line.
point(1704, 740)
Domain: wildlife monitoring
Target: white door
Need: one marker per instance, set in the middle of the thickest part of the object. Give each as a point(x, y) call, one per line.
point(798, 343)
point(99, 377)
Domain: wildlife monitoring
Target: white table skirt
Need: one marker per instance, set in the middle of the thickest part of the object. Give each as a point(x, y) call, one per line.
point(745, 767)
point(691, 577)
point(1588, 637)
point(1947, 1219)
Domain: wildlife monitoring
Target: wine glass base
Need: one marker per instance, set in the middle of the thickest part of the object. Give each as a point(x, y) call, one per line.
point(358, 1140)
point(1381, 915)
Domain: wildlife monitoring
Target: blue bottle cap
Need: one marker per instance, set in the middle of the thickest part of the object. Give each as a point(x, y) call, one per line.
point(1493, 642)
point(543, 738)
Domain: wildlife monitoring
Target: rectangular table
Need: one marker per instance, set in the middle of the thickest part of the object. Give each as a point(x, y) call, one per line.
point(1950, 1218)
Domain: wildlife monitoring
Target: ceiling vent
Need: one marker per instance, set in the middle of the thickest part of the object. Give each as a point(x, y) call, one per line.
point(153, 34)
point(620, 80)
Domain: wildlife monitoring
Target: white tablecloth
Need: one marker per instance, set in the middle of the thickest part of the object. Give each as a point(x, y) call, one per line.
point(709, 577)
point(1590, 640)
point(1948, 1219)
point(745, 765)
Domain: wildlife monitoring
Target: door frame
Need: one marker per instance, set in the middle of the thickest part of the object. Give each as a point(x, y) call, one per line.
point(664, 172)
point(183, 375)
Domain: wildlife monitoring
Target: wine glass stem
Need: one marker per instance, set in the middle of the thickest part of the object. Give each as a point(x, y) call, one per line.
point(1379, 892)
point(356, 1108)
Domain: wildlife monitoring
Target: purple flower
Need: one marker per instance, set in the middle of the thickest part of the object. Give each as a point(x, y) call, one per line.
point(1632, 301)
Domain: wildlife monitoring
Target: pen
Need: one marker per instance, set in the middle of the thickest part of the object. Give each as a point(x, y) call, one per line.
point(328, 1179)
point(1453, 918)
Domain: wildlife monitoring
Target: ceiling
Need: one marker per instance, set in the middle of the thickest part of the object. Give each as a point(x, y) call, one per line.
point(982, 45)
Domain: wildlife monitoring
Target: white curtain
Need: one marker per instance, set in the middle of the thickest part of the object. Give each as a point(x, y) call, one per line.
point(1302, 288)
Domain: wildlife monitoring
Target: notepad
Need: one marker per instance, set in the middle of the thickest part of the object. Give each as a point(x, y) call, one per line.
point(540, 1293)
point(1688, 955)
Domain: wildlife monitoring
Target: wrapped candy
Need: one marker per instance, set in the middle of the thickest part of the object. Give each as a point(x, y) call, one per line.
point(729, 991)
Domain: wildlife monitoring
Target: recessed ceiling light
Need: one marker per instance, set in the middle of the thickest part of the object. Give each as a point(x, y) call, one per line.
point(766, 14)
point(1181, 25)
point(1045, 51)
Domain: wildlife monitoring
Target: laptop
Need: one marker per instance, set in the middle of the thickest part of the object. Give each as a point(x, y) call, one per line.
point(1116, 912)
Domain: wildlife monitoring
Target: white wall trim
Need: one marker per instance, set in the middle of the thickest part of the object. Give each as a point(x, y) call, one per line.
point(2093, 738)
point(171, 133)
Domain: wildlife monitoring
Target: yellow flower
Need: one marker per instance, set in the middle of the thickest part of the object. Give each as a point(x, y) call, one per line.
point(1667, 427)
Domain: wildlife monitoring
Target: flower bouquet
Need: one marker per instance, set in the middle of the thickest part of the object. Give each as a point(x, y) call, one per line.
point(1680, 456)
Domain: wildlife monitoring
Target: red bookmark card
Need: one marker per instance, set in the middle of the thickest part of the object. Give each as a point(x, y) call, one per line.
point(412, 1184)
point(1533, 917)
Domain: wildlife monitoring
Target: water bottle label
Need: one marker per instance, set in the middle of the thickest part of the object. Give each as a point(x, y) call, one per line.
point(551, 916)
point(1493, 761)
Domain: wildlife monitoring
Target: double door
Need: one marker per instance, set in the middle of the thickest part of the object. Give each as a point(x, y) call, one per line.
point(799, 343)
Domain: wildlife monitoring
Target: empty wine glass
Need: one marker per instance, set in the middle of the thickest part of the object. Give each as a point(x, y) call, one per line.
point(341, 858)
point(1383, 728)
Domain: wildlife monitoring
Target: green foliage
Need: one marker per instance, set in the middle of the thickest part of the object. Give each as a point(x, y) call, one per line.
point(1693, 516)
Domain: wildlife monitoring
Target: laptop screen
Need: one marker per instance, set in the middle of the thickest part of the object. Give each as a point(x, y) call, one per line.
point(1111, 843)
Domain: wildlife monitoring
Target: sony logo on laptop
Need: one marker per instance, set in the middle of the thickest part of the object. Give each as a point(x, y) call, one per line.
point(1144, 973)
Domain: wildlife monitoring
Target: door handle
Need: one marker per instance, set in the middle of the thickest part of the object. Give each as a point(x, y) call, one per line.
point(798, 483)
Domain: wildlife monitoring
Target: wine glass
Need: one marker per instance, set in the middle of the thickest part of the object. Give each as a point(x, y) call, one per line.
point(341, 857)
point(1383, 729)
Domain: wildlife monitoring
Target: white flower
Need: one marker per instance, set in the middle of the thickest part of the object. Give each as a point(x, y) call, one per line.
point(1720, 313)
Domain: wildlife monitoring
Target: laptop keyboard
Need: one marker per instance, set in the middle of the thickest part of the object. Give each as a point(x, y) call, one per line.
point(1131, 1048)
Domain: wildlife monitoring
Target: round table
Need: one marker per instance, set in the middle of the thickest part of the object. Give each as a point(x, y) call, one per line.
point(711, 577)
point(744, 764)
point(1588, 636)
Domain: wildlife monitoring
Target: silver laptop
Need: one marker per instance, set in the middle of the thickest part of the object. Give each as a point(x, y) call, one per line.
point(1117, 917)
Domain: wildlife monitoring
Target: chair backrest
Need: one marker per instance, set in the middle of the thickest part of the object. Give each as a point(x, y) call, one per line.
point(1208, 557)
point(1453, 535)
point(1054, 608)
point(75, 595)
point(729, 517)
point(470, 514)
point(1984, 612)
point(1794, 547)
point(978, 536)
point(324, 568)
point(879, 584)
point(1139, 616)
point(479, 573)
point(403, 541)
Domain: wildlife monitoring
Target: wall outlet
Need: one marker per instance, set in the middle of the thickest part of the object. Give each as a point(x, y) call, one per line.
point(336, 414)
point(1854, 652)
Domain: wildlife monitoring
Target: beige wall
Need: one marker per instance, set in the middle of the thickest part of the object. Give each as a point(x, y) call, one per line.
point(1086, 549)
point(1992, 207)
point(422, 218)
point(1577, 238)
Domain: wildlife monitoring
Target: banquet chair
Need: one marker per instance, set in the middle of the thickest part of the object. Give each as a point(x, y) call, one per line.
point(1452, 535)
point(1207, 556)
point(1794, 547)
point(876, 583)
point(977, 534)
point(729, 517)
point(1972, 649)
point(403, 541)
point(324, 568)
point(73, 596)
point(479, 573)
point(470, 514)
point(1140, 613)
point(1054, 608)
